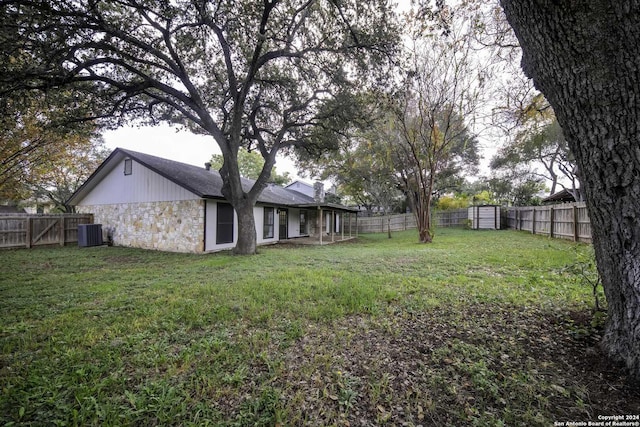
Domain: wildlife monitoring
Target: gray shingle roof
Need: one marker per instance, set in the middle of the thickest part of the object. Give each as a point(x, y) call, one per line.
point(207, 183)
point(203, 183)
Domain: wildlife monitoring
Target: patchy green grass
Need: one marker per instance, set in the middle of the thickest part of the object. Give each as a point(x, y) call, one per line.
point(478, 328)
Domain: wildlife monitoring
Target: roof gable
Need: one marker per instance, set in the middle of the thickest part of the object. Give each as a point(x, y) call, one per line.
point(198, 180)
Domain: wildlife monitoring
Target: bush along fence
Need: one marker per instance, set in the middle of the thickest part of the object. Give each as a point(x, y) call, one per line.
point(27, 231)
point(565, 221)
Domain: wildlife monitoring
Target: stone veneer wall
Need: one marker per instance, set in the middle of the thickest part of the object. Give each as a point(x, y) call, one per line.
point(176, 226)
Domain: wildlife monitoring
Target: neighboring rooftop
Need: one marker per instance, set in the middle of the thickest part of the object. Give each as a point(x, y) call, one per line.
point(563, 196)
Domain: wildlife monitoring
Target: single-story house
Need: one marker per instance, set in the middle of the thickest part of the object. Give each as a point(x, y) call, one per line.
point(149, 202)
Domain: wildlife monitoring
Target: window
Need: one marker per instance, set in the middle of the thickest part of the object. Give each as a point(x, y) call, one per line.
point(128, 166)
point(303, 222)
point(224, 224)
point(267, 231)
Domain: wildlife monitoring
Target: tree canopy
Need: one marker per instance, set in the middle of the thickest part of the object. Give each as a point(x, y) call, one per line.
point(538, 147)
point(259, 75)
point(44, 154)
point(250, 165)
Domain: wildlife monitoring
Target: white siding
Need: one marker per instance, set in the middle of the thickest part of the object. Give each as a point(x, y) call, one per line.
point(143, 185)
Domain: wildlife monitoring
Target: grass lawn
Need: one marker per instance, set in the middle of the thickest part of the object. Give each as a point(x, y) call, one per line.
point(478, 328)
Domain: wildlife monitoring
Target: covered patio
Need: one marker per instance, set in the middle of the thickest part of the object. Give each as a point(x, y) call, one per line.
point(328, 223)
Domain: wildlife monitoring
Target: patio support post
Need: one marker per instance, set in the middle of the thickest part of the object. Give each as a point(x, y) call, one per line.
point(342, 225)
point(333, 225)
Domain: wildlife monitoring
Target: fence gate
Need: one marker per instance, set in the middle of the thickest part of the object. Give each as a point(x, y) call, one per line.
point(45, 231)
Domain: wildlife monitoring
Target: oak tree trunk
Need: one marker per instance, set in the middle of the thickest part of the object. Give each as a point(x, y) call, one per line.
point(246, 244)
point(243, 202)
point(585, 57)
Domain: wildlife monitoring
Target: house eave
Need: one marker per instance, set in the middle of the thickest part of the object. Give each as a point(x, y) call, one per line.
point(332, 206)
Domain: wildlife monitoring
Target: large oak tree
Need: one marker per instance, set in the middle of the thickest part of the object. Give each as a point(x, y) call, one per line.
point(254, 74)
point(584, 55)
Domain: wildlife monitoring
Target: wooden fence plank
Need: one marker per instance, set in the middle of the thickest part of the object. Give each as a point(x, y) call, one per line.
point(401, 222)
point(565, 221)
point(19, 230)
point(29, 226)
point(45, 231)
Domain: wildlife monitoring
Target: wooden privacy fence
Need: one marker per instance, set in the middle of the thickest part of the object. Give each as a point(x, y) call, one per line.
point(565, 221)
point(452, 218)
point(26, 231)
point(381, 224)
point(400, 222)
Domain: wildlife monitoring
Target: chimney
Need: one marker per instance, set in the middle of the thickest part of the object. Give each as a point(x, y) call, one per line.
point(207, 166)
point(318, 192)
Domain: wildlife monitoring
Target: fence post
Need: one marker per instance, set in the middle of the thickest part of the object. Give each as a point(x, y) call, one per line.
point(575, 223)
point(551, 221)
point(519, 220)
point(62, 225)
point(29, 226)
point(533, 223)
